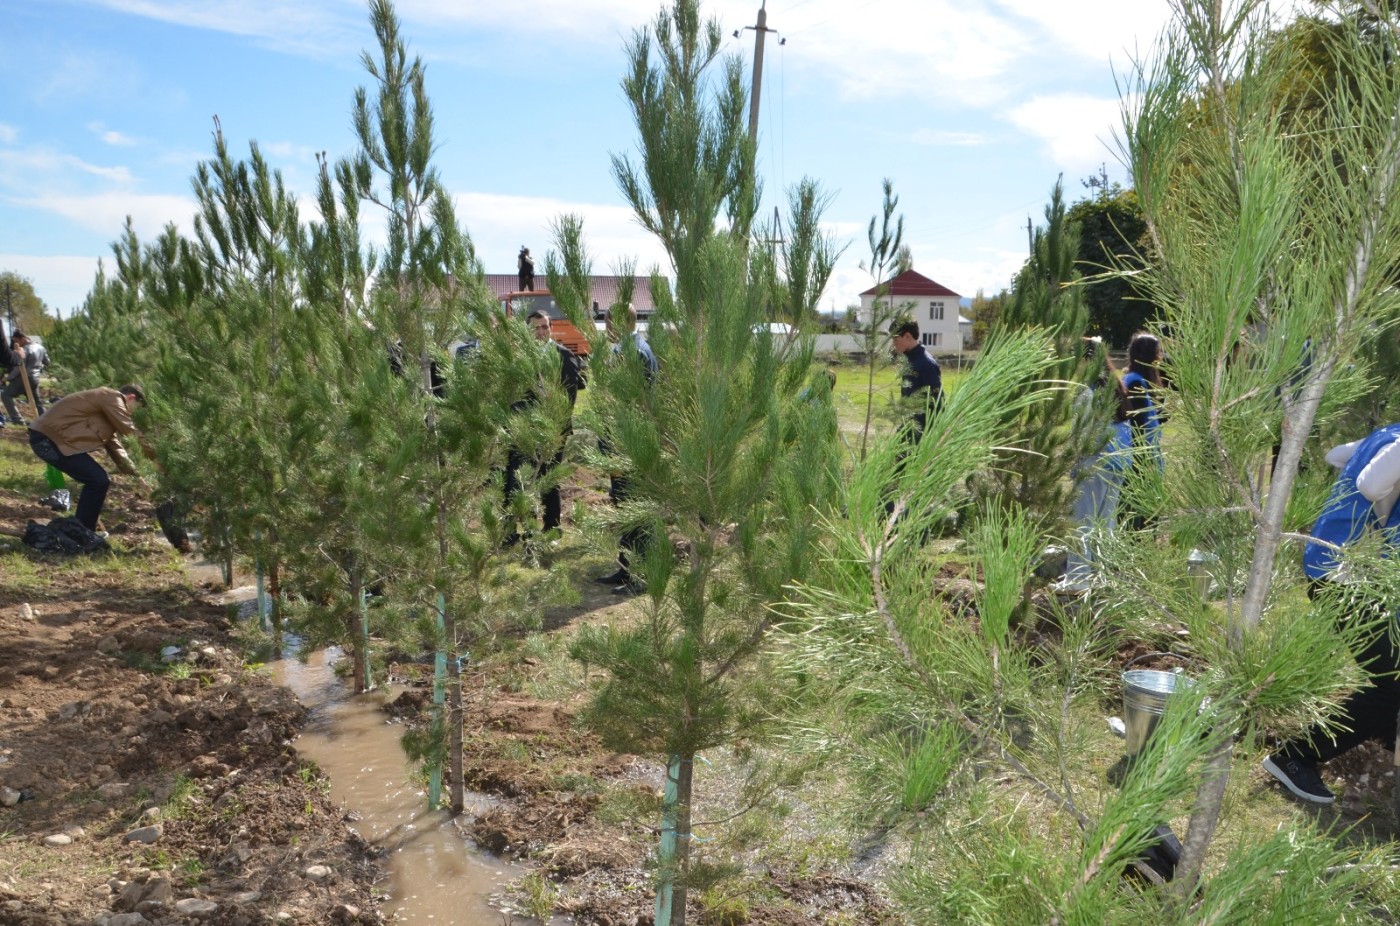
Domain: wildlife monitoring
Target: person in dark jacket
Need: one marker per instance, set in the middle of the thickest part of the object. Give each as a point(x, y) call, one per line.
point(525, 268)
point(1362, 498)
point(572, 379)
point(627, 344)
point(923, 378)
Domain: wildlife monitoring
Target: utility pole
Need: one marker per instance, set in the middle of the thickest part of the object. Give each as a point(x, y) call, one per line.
point(759, 30)
point(1030, 238)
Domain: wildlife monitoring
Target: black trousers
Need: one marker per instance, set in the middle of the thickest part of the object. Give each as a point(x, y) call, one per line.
point(1370, 712)
point(83, 468)
point(634, 539)
point(550, 499)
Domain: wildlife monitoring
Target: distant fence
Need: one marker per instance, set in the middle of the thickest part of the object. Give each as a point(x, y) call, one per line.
point(842, 347)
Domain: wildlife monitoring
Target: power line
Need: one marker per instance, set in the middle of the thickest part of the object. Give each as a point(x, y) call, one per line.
point(831, 17)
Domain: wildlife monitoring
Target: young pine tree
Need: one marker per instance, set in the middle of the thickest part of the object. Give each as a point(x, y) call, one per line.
point(717, 448)
point(1055, 434)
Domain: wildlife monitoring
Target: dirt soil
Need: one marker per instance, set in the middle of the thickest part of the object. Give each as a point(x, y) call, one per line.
point(139, 784)
point(129, 785)
point(139, 780)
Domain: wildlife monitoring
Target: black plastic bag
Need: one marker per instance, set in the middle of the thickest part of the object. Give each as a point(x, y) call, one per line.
point(172, 529)
point(58, 500)
point(1161, 855)
point(67, 536)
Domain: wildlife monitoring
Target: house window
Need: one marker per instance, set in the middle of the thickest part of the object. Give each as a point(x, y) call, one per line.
point(935, 311)
point(931, 338)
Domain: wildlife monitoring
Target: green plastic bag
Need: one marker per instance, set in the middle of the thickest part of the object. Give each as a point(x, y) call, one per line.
point(52, 477)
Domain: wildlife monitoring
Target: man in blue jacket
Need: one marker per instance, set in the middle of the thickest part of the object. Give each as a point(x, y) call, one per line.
point(1362, 498)
point(923, 379)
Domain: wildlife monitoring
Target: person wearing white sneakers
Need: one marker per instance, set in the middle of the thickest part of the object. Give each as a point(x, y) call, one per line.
point(74, 427)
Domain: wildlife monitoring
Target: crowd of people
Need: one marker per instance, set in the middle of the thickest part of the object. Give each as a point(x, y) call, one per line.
point(1363, 498)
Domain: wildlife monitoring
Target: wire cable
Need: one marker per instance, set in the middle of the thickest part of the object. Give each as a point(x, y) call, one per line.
point(823, 22)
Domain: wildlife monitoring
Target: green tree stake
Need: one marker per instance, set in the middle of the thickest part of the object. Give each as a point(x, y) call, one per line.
point(263, 619)
point(368, 677)
point(666, 853)
point(439, 702)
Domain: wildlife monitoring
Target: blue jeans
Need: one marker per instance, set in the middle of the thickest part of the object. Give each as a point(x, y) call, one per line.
point(83, 468)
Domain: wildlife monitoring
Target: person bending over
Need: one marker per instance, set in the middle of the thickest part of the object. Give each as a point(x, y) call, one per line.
point(66, 435)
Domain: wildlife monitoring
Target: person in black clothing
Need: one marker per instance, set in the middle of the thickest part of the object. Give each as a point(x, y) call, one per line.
point(627, 342)
point(571, 378)
point(923, 379)
point(525, 265)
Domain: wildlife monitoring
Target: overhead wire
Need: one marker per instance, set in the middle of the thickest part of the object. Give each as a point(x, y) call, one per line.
point(823, 22)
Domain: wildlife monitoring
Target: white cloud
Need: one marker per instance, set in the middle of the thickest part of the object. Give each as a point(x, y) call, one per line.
point(34, 168)
point(308, 28)
point(290, 151)
point(8, 134)
point(106, 213)
point(62, 281)
point(941, 139)
point(500, 224)
point(1076, 129)
point(1095, 30)
point(111, 136)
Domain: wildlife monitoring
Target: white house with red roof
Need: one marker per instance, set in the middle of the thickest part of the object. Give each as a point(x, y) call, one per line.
point(934, 306)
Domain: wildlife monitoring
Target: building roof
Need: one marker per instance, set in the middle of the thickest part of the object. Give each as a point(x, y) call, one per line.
point(911, 283)
point(603, 289)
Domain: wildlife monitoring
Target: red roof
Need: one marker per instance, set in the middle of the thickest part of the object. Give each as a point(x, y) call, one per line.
point(911, 283)
point(604, 289)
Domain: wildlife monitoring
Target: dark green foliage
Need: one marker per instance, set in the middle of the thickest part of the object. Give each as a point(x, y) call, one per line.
point(21, 306)
point(1112, 242)
point(1072, 423)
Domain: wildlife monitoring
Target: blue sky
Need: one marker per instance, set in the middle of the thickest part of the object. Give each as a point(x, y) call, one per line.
point(971, 107)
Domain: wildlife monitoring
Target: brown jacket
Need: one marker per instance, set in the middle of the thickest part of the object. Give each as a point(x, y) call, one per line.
point(85, 421)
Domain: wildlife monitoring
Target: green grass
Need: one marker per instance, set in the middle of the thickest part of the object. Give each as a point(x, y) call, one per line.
point(20, 471)
point(853, 384)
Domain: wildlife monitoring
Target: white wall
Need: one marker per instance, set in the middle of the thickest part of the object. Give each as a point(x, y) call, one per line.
point(939, 335)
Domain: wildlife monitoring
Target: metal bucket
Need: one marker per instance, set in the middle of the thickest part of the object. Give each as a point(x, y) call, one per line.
point(1145, 693)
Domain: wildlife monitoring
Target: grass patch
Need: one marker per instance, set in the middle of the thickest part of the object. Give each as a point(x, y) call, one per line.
point(183, 791)
point(544, 669)
point(626, 804)
point(538, 895)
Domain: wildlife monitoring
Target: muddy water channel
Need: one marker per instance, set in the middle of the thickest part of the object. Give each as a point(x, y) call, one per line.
point(436, 875)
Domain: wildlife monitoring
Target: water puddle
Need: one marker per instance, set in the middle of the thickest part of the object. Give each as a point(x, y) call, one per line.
point(436, 875)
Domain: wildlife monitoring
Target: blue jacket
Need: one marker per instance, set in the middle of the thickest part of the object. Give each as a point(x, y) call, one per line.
point(922, 375)
point(644, 351)
point(1347, 513)
point(1147, 425)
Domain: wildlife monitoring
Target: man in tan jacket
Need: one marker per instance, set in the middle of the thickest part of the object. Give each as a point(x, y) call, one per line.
point(73, 427)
